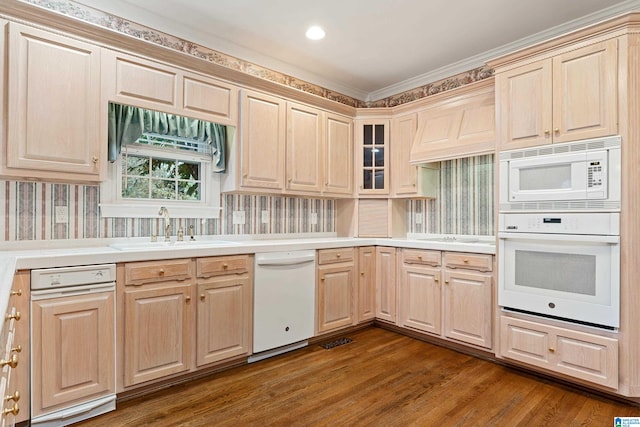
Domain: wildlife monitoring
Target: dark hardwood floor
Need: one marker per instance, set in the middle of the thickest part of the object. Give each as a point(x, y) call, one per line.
point(379, 379)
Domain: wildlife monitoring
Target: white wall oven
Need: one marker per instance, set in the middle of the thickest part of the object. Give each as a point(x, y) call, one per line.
point(581, 175)
point(562, 265)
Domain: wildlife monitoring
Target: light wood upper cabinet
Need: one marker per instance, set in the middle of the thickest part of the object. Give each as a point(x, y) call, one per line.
point(304, 149)
point(54, 127)
point(73, 350)
point(262, 135)
point(373, 156)
point(567, 97)
point(408, 180)
point(456, 124)
point(140, 82)
point(338, 156)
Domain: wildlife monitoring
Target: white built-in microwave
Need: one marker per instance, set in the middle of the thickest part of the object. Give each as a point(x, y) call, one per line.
point(583, 175)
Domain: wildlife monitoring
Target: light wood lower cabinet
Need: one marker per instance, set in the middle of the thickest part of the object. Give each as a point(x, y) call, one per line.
point(581, 355)
point(73, 348)
point(335, 289)
point(366, 283)
point(448, 294)
point(225, 308)
point(386, 286)
point(177, 316)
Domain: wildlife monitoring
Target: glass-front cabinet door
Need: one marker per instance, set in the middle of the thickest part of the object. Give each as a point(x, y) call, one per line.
point(373, 156)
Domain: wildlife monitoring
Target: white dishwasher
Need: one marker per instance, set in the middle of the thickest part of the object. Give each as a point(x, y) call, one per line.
point(284, 301)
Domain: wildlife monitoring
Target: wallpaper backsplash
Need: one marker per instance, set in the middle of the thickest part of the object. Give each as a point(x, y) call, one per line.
point(465, 201)
point(36, 211)
point(46, 211)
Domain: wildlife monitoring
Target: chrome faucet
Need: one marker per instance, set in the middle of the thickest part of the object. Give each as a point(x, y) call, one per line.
point(164, 212)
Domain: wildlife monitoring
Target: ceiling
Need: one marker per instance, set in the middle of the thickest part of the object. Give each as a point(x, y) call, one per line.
point(373, 48)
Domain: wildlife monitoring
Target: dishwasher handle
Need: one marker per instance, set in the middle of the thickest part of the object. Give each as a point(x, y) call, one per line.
point(286, 258)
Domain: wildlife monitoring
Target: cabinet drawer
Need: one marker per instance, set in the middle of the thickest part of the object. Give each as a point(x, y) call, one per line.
point(480, 262)
point(215, 266)
point(140, 273)
point(412, 256)
point(327, 256)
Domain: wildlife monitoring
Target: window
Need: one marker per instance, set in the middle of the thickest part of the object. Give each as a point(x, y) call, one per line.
point(158, 170)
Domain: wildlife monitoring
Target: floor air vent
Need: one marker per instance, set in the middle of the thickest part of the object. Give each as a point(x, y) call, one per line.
point(331, 344)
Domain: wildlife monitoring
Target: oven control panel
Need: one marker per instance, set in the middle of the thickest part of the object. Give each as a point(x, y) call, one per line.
point(599, 223)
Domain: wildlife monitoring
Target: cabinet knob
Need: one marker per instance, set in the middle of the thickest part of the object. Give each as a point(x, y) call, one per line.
point(547, 132)
point(362, 273)
point(245, 175)
point(187, 299)
point(16, 316)
point(552, 350)
point(17, 293)
point(15, 396)
point(13, 411)
point(201, 297)
point(435, 279)
point(290, 179)
point(94, 159)
point(466, 260)
point(16, 349)
point(556, 130)
point(161, 272)
point(322, 278)
point(12, 362)
point(338, 255)
point(225, 266)
point(420, 257)
point(446, 282)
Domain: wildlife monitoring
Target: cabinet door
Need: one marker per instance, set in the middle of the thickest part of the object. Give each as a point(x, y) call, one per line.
point(585, 100)
point(577, 354)
point(73, 350)
point(209, 99)
point(304, 149)
point(335, 296)
point(366, 283)
point(338, 167)
point(262, 136)
point(403, 131)
point(420, 298)
point(468, 306)
point(373, 137)
point(157, 332)
point(224, 319)
point(524, 105)
point(54, 109)
point(386, 287)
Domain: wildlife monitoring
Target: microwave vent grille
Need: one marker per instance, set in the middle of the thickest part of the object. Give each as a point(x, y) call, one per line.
point(593, 144)
point(561, 205)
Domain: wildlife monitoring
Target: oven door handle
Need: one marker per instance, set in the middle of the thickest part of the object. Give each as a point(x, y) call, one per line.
point(579, 238)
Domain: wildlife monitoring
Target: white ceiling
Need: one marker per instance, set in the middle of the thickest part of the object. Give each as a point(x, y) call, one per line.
point(373, 48)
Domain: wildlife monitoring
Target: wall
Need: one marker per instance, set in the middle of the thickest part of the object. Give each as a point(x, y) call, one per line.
point(32, 211)
point(465, 200)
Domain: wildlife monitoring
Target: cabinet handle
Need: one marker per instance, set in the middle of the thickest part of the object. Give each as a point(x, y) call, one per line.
point(12, 362)
point(13, 411)
point(16, 316)
point(17, 293)
point(201, 297)
point(16, 349)
point(161, 273)
point(15, 396)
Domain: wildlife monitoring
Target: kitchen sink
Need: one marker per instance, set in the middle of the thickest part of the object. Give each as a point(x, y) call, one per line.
point(144, 246)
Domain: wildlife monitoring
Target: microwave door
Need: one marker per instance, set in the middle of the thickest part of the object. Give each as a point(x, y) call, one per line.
point(557, 177)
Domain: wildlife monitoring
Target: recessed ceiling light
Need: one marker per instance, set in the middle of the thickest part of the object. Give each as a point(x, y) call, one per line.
point(315, 33)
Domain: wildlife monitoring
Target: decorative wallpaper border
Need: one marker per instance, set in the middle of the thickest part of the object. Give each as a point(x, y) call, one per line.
point(123, 26)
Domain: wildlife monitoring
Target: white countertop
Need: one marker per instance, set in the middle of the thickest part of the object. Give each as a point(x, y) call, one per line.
point(47, 254)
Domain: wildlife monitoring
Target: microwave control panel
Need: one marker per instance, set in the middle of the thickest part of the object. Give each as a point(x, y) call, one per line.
point(594, 174)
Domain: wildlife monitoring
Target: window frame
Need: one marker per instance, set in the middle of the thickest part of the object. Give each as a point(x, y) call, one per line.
point(113, 205)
